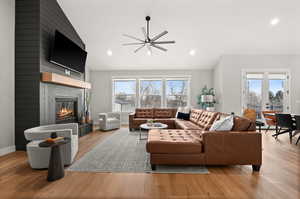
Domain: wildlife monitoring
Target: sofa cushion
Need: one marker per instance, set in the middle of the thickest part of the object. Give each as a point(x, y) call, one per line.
point(174, 142)
point(186, 125)
point(241, 124)
point(207, 118)
point(163, 113)
point(195, 115)
point(144, 113)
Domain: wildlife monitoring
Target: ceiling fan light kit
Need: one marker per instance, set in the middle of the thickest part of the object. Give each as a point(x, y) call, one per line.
point(147, 41)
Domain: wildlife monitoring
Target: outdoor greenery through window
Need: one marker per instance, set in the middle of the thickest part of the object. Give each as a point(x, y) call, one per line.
point(129, 94)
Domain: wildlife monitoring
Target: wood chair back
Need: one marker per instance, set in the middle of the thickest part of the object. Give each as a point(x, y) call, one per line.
point(270, 119)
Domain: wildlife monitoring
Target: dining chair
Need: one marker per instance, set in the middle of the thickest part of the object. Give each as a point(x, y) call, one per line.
point(297, 118)
point(270, 117)
point(285, 122)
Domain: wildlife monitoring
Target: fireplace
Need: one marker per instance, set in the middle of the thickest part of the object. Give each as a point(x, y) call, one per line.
point(66, 110)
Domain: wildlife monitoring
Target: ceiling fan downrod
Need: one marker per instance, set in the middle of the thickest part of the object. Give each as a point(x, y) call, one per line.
point(148, 19)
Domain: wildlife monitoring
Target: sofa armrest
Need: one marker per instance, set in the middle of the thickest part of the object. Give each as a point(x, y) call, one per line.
point(233, 147)
point(131, 116)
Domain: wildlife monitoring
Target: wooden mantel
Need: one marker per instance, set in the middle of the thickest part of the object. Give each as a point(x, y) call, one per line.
point(54, 78)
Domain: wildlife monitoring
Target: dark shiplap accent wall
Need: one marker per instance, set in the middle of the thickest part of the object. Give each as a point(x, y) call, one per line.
point(36, 22)
point(27, 68)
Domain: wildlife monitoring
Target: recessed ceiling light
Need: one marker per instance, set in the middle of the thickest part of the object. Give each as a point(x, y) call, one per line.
point(109, 52)
point(275, 21)
point(192, 52)
point(149, 53)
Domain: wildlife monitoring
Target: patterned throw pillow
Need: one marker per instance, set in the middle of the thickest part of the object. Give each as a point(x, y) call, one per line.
point(183, 110)
point(224, 124)
point(183, 116)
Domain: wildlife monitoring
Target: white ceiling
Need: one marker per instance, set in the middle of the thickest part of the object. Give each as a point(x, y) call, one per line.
point(211, 27)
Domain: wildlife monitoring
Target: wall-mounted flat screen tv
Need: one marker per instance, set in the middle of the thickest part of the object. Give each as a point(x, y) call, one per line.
point(67, 54)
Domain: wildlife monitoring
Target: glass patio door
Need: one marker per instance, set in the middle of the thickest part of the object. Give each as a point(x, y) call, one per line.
point(266, 91)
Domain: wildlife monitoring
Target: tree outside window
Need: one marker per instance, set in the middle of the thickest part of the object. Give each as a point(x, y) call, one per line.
point(176, 93)
point(150, 93)
point(124, 95)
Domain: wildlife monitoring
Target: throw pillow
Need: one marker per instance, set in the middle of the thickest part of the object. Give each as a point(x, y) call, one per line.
point(224, 124)
point(183, 110)
point(183, 116)
point(241, 124)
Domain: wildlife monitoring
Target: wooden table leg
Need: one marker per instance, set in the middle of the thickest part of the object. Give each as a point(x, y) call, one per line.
point(56, 165)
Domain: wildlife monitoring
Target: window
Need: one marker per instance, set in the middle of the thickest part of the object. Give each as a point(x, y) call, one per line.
point(150, 93)
point(129, 94)
point(124, 95)
point(266, 90)
point(176, 93)
point(254, 93)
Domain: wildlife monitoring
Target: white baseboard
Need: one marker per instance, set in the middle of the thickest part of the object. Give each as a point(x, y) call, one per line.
point(7, 150)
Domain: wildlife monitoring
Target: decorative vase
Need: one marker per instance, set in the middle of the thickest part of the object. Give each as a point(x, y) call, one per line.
point(87, 117)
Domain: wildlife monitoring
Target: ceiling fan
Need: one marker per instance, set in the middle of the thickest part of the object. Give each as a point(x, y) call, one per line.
point(147, 41)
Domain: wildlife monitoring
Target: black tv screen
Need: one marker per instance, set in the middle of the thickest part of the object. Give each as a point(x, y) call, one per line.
point(67, 54)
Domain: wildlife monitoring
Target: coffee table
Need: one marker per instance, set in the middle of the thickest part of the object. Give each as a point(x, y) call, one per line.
point(147, 126)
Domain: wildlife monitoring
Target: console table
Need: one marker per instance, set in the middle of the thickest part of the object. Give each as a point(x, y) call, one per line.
point(85, 128)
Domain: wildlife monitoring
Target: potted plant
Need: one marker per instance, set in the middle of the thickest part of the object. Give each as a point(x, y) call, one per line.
point(206, 99)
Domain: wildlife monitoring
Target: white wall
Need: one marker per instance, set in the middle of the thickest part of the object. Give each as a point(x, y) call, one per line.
point(229, 71)
point(7, 21)
point(102, 86)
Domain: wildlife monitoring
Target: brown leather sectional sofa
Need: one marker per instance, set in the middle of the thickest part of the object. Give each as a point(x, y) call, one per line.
point(190, 142)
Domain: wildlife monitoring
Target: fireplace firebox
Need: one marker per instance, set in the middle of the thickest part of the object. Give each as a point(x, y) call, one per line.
point(66, 110)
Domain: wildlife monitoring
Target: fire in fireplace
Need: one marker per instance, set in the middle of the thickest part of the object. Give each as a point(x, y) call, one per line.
point(66, 110)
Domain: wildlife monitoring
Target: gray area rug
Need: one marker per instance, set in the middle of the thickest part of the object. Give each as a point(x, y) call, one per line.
point(124, 152)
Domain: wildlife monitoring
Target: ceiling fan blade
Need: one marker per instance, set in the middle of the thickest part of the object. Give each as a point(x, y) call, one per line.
point(163, 42)
point(159, 47)
point(139, 48)
point(144, 32)
point(132, 37)
point(159, 35)
point(130, 44)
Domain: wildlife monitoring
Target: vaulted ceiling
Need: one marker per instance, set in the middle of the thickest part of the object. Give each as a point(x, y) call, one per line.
point(211, 28)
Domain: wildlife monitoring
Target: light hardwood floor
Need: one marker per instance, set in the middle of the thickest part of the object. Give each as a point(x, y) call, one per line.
point(279, 178)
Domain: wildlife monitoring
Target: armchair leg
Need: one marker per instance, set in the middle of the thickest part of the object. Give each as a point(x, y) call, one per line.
point(298, 140)
point(256, 167)
point(267, 129)
point(291, 136)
